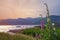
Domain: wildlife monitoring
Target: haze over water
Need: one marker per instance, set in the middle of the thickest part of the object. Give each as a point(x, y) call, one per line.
point(6, 28)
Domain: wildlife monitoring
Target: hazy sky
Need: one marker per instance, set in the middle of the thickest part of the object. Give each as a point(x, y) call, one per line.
point(27, 8)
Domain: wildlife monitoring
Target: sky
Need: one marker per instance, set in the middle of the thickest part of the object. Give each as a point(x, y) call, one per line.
point(27, 8)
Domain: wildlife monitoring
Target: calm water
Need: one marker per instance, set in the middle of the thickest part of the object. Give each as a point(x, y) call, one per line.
point(6, 28)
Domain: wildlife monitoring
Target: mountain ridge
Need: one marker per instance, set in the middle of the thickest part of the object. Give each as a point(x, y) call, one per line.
point(28, 21)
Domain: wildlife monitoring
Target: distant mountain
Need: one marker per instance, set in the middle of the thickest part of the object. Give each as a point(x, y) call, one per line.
point(55, 19)
point(29, 21)
point(21, 21)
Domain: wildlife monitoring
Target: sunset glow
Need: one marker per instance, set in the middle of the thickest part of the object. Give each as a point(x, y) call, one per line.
point(24, 8)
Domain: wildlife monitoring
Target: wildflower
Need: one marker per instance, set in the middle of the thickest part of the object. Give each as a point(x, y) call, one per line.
point(42, 24)
point(53, 24)
point(54, 29)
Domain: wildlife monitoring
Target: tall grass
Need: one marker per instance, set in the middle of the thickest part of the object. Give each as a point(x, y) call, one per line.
point(5, 36)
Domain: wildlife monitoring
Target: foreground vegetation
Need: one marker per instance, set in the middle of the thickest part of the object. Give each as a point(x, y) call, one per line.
point(28, 34)
point(58, 33)
point(5, 36)
point(44, 33)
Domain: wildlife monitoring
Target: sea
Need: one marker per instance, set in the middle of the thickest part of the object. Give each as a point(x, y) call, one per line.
point(6, 28)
